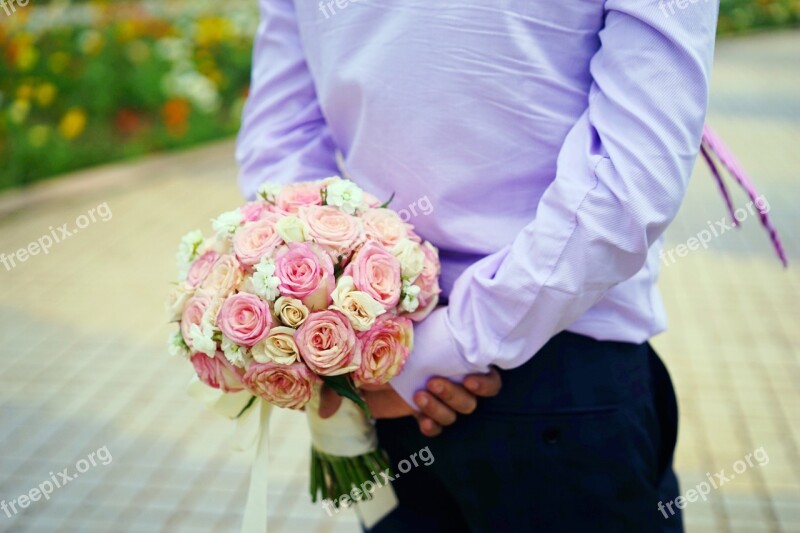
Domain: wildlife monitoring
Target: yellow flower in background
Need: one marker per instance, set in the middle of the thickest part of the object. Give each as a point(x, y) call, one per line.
point(91, 42)
point(27, 56)
point(45, 93)
point(72, 123)
point(211, 30)
point(38, 135)
point(18, 111)
point(138, 51)
point(58, 61)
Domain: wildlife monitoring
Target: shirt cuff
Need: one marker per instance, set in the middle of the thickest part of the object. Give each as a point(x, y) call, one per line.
point(435, 353)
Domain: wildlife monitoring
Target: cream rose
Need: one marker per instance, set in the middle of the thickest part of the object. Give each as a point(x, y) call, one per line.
point(277, 347)
point(290, 311)
point(292, 229)
point(177, 299)
point(358, 306)
point(226, 276)
point(411, 257)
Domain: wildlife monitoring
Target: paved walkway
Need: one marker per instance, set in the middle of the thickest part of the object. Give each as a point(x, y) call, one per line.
point(83, 370)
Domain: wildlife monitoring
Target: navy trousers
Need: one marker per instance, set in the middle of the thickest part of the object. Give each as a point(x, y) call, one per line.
point(580, 438)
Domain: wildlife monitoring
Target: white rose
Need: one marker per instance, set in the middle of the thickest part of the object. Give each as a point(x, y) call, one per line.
point(411, 257)
point(176, 301)
point(277, 347)
point(359, 307)
point(291, 311)
point(292, 229)
point(344, 194)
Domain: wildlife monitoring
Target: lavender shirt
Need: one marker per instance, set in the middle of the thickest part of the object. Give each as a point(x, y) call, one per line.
point(542, 146)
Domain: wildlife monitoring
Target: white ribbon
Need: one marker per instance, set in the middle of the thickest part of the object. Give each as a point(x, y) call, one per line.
point(347, 433)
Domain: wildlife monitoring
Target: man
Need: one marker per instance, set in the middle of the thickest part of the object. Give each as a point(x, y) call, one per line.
point(555, 141)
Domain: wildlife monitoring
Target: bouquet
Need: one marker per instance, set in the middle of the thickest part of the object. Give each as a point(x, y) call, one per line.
point(315, 282)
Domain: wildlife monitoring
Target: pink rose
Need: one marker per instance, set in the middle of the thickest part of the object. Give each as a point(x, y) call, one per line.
point(385, 225)
point(306, 273)
point(377, 272)
point(384, 349)
point(193, 313)
point(218, 372)
point(252, 211)
point(428, 282)
point(201, 267)
point(256, 239)
point(328, 344)
point(245, 319)
point(288, 386)
point(225, 276)
point(294, 196)
point(333, 229)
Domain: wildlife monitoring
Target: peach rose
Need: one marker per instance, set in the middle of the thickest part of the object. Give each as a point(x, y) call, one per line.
point(428, 282)
point(226, 276)
point(245, 319)
point(288, 386)
point(305, 272)
point(193, 313)
point(377, 272)
point(252, 211)
point(256, 239)
point(218, 372)
point(384, 349)
point(384, 225)
point(297, 195)
point(201, 267)
point(328, 344)
point(333, 229)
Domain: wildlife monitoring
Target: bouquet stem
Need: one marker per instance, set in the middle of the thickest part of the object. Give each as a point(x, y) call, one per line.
point(333, 476)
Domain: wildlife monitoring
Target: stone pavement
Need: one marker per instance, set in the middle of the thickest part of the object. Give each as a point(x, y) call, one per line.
point(84, 373)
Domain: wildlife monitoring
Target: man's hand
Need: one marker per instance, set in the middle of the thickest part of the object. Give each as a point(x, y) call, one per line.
point(439, 405)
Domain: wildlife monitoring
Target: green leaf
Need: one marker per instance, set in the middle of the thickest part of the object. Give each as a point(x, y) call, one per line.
point(387, 202)
point(343, 386)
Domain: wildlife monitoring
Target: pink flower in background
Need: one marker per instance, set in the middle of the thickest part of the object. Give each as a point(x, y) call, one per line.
point(256, 239)
point(201, 267)
point(384, 349)
point(385, 226)
point(218, 372)
point(297, 195)
point(193, 313)
point(377, 272)
point(245, 319)
point(288, 386)
point(306, 273)
point(336, 231)
point(328, 344)
point(224, 277)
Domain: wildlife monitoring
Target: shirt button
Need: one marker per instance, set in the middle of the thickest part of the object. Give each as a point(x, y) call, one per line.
point(551, 435)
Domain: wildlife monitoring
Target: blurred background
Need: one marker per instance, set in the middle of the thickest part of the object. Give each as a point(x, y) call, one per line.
point(116, 124)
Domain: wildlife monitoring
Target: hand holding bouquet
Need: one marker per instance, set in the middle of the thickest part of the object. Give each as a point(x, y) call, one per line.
point(313, 282)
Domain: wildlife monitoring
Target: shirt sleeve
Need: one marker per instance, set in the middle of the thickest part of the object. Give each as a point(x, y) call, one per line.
point(283, 137)
point(621, 175)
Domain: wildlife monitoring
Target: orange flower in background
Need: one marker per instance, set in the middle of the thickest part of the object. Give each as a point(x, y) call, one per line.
point(72, 123)
point(175, 113)
point(128, 122)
